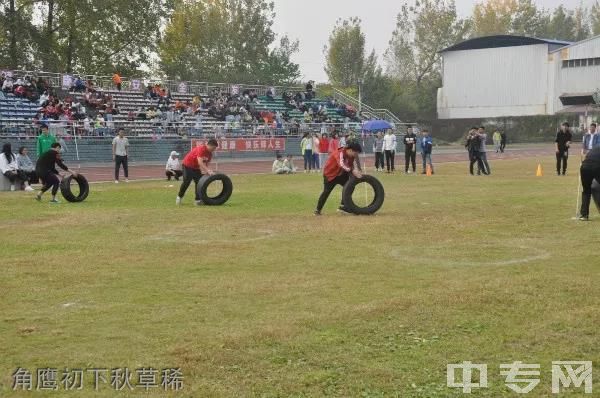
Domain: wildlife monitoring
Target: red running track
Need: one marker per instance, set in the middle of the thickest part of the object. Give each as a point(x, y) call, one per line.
point(105, 172)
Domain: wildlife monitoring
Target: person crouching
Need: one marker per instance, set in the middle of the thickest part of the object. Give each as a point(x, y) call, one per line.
point(337, 171)
point(173, 168)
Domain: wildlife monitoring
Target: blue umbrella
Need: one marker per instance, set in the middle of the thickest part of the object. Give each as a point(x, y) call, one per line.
point(375, 125)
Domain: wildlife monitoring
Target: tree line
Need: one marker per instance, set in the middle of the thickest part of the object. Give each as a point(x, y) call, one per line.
point(407, 79)
point(234, 41)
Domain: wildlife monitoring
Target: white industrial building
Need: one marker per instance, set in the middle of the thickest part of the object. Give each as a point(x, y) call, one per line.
point(502, 76)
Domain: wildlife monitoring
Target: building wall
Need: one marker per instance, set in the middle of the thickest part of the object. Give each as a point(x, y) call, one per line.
point(494, 82)
point(579, 80)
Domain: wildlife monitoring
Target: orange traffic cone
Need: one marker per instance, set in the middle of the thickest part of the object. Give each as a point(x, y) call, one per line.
point(539, 172)
point(428, 172)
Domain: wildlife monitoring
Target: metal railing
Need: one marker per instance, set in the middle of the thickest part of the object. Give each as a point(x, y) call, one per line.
point(366, 110)
point(26, 129)
point(139, 84)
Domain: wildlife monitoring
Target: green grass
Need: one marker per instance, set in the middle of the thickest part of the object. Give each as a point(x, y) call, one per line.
point(261, 298)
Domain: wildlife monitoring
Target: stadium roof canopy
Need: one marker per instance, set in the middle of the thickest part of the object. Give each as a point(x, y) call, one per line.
point(503, 41)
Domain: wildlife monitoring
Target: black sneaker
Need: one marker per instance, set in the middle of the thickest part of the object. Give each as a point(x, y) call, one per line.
point(317, 213)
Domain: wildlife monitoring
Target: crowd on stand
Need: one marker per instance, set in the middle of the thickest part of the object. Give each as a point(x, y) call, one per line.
point(26, 87)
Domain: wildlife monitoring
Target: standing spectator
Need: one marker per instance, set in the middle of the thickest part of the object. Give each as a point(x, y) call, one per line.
point(117, 80)
point(590, 140)
point(44, 141)
point(378, 150)
point(323, 149)
point(316, 153)
point(410, 151)
point(173, 167)
point(120, 152)
point(389, 147)
point(426, 149)
point(497, 138)
point(25, 165)
point(306, 148)
point(483, 150)
point(502, 141)
point(473, 144)
point(334, 143)
point(590, 171)
point(563, 142)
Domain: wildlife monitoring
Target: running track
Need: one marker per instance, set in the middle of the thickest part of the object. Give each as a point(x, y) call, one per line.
point(105, 172)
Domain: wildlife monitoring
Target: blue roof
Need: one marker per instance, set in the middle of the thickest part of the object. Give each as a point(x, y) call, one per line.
point(499, 41)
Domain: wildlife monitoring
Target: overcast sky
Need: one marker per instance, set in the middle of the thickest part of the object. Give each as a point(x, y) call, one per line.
point(311, 21)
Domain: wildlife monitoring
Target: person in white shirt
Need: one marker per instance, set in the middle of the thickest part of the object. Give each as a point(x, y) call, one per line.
point(289, 163)
point(10, 168)
point(120, 152)
point(279, 166)
point(173, 168)
point(389, 148)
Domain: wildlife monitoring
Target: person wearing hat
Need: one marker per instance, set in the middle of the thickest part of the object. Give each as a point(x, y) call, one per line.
point(173, 168)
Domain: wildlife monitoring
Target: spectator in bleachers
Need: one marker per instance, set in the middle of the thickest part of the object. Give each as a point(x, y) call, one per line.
point(309, 90)
point(173, 168)
point(26, 166)
point(117, 80)
point(78, 85)
point(44, 141)
point(7, 85)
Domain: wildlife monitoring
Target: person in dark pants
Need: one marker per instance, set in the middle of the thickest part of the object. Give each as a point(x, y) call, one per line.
point(378, 149)
point(195, 164)
point(473, 145)
point(563, 142)
point(590, 171)
point(120, 151)
point(389, 147)
point(337, 171)
point(502, 141)
point(410, 150)
point(45, 168)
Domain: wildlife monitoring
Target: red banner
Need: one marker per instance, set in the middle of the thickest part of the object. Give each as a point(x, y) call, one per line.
point(246, 144)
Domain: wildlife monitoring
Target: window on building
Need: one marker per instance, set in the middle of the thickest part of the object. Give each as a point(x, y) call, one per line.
point(571, 63)
point(577, 63)
point(596, 61)
point(565, 64)
point(584, 62)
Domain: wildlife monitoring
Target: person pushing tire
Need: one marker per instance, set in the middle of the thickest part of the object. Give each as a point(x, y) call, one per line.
point(45, 168)
point(337, 171)
point(195, 164)
point(590, 171)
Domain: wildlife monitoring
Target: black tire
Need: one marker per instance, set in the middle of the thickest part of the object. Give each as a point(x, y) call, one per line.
point(220, 199)
point(596, 194)
point(378, 199)
point(84, 189)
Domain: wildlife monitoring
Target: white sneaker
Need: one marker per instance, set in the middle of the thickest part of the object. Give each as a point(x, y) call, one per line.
point(28, 188)
point(178, 201)
point(116, 181)
point(12, 187)
point(199, 203)
point(127, 180)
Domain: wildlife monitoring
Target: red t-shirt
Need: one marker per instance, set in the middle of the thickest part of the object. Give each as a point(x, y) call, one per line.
point(338, 163)
point(191, 159)
point(333, 145)
point(324, 145)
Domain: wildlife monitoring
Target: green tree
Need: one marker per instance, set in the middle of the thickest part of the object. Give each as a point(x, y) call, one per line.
point(422, 31)
point(561, 24)
point(345, 53)
point(595, 19)
point(514, 17)
point(226, 40)
point(15, 38)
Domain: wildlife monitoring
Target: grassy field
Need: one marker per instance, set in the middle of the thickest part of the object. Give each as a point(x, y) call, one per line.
point(261, 298)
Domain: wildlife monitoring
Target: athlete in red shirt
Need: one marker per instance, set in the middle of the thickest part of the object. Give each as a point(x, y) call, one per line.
point(195, 164)
point(337, 170)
